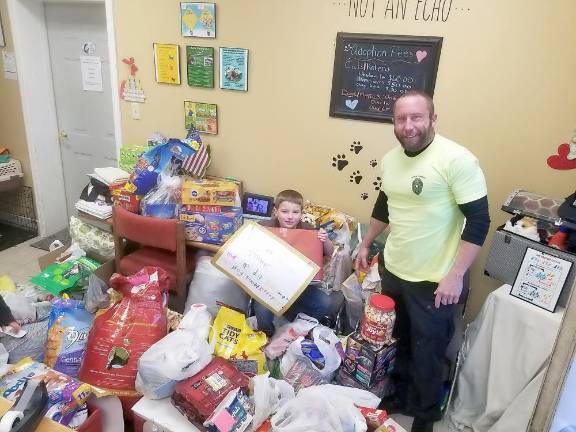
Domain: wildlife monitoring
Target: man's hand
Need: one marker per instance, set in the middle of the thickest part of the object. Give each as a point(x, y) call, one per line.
point(361, 263)
point(322, 235)
point(449, 289)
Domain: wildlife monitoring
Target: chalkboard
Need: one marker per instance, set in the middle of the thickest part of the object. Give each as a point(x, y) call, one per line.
point(265, 266)
point(371, 71)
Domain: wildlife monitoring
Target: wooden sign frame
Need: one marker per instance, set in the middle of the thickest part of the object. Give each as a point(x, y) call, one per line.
point(427, 53)
point(541, 279)
point(247, 240)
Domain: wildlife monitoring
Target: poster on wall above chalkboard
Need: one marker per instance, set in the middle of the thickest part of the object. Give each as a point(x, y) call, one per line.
point(371, 71)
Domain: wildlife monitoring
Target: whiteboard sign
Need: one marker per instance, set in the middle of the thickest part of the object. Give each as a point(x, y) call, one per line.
point(266, 267)
point(540, 279)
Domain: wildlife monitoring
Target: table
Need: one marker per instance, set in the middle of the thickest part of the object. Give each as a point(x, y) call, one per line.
point(505, 355)
point(161, 416)
point(106, 224)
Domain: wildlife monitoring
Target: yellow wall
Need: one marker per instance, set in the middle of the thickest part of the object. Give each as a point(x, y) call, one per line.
point(12, 132)
point(505, 89)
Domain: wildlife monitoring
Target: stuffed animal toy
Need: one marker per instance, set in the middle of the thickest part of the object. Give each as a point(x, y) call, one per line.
point(523, 226)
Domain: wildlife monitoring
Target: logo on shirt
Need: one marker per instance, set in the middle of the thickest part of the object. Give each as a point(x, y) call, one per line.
point(417, 185)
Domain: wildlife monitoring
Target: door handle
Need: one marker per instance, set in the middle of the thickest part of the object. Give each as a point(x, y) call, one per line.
point(63, 135)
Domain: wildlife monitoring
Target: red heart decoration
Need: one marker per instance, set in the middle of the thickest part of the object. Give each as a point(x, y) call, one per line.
point(560, 161)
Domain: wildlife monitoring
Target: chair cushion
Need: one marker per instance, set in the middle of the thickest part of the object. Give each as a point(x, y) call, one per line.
point(144, 256)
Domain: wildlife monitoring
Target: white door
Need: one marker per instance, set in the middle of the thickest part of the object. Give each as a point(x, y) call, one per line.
point(85, 118)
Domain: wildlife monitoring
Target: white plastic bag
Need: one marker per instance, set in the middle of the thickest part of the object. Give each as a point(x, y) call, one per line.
point(177, 356)
point(323, 408)
point(286, 334)
point(326, 347)
point(269, 394)
point(352, 291)
point(21, 307)
point(210, 286)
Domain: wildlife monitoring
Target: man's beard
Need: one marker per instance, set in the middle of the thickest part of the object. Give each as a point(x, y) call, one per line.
point(424, 138)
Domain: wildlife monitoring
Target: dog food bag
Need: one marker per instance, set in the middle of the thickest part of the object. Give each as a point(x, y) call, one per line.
point(122, 333)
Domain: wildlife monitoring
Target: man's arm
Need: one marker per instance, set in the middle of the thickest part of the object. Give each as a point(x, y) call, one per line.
point(378, 223)
point(471, 241)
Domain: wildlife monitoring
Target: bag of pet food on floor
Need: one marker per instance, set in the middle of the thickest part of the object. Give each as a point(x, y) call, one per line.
point(122, 333)
point(233, 339)
point(66, 395)
point(69, 324)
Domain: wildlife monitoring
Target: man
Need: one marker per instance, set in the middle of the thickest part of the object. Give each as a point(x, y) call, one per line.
point(430, 187)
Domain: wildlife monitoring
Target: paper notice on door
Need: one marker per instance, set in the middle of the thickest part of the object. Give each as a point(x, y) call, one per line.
point(9, 62)
point(91, 68)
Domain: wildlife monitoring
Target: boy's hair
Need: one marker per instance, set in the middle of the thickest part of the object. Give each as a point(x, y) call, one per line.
point(290, 196)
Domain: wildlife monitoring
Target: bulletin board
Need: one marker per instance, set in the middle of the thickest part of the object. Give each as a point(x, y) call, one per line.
point(266, 267)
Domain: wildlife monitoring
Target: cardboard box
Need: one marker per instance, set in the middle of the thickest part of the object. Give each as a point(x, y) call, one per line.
point(366, 363)
point(104, 272)
point(210, 192)
point(208, 226)
point(381, 388)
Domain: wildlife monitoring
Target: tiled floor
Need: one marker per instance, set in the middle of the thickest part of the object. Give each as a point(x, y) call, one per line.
point(21, 262)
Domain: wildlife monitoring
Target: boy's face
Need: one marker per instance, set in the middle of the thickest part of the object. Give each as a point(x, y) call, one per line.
point(288, 214)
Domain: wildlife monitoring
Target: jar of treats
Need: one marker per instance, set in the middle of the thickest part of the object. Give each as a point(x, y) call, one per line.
point(378, 320)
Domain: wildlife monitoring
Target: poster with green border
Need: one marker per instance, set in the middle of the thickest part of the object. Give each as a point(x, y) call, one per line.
point(200, 65)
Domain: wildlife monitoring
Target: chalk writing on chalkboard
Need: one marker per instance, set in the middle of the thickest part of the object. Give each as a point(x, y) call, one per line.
point(372, 71)
point(265, 266)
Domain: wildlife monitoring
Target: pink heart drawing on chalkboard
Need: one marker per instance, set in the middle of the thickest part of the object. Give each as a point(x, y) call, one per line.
point(351, 103)
point(421, 55)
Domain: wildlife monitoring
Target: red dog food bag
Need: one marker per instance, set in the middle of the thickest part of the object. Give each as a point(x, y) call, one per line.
point(121, 334)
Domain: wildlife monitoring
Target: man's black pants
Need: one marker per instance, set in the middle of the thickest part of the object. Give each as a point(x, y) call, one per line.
point(423, 334)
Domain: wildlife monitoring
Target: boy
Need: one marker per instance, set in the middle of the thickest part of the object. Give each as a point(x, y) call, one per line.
point(287, 213)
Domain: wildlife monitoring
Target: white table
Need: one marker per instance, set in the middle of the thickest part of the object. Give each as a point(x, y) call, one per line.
point(162, 416)
point(505, 355)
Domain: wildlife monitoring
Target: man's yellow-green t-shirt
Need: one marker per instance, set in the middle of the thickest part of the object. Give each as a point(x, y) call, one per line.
point(423, 195)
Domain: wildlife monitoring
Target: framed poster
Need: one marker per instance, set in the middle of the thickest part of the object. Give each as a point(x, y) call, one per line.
point(540, 279)
point(267, 268)
point(200, 66)
point(371, 71)
point(167, 63)
point(198, 19)
point(234, 69)
point(203, 116)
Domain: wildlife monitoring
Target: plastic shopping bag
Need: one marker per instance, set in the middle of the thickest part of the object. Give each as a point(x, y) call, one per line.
point(324, 408)
point(269, 394)
point(179, 355)
point(327, 347)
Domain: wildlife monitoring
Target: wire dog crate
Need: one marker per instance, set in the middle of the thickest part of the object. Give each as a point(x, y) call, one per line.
point(17, 208)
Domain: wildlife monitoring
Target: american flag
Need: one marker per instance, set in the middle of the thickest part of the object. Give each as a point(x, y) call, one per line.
point(196, 164)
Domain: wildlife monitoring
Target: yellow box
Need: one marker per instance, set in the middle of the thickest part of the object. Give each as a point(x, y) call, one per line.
point(210, 192)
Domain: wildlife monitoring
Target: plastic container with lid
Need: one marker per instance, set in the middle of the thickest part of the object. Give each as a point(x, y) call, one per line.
point(378, 320)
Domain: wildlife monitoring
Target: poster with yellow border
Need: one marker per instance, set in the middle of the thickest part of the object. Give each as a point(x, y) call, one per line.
point(266, 267)
point(167, 63)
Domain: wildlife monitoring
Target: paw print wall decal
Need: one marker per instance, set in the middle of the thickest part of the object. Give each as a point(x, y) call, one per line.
point(377, 183)
point(364, 195)
point(339, 162)
point(356, 177)
point(356, 147)
point(373, 163)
